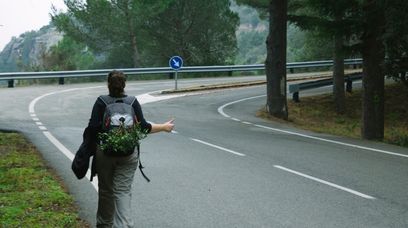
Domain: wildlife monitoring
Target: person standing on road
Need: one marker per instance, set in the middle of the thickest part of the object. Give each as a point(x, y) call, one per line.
point(115, 174)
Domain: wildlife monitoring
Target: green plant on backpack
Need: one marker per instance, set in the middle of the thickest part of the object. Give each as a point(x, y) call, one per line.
point(122, 140)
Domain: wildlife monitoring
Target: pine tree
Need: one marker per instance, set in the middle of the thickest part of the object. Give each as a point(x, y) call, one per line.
point(134, 33)
point(109, 26)
point(275, 64)
point(332, 19)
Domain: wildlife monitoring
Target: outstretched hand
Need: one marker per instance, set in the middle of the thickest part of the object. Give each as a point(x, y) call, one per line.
point(169, 125)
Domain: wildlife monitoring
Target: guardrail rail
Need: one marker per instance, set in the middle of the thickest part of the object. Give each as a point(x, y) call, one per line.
point(296, 88)
point(11, 76)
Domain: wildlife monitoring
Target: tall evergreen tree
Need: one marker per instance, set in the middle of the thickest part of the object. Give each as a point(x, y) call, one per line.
point(378, 29)
point(132, 33)
point(373, 52)
point(396, 41)
point(109, 26)
point(276, 59)
point(334, 20)
point(275, 64)
point(384, 43)
point(201, 32)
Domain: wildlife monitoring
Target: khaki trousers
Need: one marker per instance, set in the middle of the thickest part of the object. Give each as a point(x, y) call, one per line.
point(115, 178)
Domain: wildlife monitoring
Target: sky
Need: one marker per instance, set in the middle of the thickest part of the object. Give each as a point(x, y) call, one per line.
point(19, 16)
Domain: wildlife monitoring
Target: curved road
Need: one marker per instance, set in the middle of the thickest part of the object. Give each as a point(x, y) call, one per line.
point(223, 167)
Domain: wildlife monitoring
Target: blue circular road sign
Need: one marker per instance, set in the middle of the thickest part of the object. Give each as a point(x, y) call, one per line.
point(176, 62)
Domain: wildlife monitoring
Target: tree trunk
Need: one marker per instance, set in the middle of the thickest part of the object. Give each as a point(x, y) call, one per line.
point(338, 75)
point(132, 35)
point(373, 76)
point(275, 65)
point(136, 57)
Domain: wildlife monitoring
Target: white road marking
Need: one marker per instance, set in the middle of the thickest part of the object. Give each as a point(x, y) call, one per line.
point(36, 119)
point(332, 141)
point(69, 155)
point(59, 145)
point(147, 98)
point(326, 182)
point(38, 123)
point(33, 102)
point(235, 119)
point(42, 128)
point(218, 147)
point(244, 122)
point(221, 111)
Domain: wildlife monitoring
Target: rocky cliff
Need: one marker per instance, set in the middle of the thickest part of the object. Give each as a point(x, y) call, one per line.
point(27, 49)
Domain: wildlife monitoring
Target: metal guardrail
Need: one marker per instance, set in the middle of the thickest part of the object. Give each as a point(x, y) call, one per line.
point(161, 70)
point(296, 88)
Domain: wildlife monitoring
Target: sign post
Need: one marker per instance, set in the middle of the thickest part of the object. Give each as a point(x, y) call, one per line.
point(175, 62)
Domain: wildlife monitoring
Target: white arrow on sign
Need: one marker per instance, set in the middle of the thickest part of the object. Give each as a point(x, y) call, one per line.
point(176, 63)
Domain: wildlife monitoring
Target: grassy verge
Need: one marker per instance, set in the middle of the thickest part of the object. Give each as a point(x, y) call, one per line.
point(30, 195)
point(318, 114)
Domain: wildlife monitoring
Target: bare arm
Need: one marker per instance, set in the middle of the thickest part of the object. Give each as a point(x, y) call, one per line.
point(167, 127)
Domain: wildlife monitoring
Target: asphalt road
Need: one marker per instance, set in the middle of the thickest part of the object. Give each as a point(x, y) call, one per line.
point(223, 167)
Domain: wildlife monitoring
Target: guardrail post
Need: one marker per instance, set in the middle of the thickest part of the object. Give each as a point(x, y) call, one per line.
point(61, 81)
point(349, 85)
point(11, 83)
point(295, 97)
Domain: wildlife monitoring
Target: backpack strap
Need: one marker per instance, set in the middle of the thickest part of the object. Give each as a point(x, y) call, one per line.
point(141, 171)
point(141, 167)
point(106, 99)
point(129, 100)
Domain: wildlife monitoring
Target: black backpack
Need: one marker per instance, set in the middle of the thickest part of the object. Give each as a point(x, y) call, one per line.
point(119, 112)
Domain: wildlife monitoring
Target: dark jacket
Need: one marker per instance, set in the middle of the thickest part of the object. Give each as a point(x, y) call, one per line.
point(80, 164)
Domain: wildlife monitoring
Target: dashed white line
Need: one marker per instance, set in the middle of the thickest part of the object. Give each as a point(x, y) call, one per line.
point(42, 128)
point(326, 182)
point(235, 119)
point(218, 147)
point(38, 123)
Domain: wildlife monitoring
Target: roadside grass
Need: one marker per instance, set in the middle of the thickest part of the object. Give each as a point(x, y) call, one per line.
point(30, 194)
point(318, 114)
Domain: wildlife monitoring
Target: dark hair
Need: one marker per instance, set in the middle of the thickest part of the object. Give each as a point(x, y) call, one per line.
point(116, 83)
